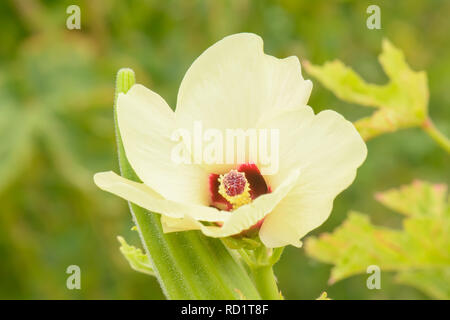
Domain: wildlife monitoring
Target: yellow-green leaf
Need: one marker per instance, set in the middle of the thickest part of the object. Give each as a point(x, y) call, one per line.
point(401, 103)
point(421, 250)
point(323, 296)
point(417, 199)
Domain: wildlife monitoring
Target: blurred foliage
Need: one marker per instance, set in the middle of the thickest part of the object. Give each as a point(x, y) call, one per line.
point(56, 125)
point(323, 296)
point(401, 103)
point(420, 252)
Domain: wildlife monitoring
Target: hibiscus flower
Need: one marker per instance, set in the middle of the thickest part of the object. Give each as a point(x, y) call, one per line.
point(235, 85)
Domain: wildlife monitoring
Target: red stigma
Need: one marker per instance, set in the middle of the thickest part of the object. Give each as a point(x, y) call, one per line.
point(250, 172)
point(234, 183)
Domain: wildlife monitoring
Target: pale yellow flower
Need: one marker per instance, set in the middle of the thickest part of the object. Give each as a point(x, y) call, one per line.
point(233, 84)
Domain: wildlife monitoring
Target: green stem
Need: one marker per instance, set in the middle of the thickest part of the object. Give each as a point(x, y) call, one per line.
point(429, 127)
point(187, 265)
point(260, 262)
point(265, 282)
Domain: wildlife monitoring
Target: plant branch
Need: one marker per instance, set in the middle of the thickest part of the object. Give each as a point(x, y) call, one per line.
point(429, 127)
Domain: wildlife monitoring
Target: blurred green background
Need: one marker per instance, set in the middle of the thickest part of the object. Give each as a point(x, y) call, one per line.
point(56, 125)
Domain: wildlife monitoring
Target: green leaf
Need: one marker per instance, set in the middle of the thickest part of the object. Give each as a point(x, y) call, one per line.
point(421, 250)
point(401, 103)
point(434, 282)
point(17, 144)
point(323, 296)
point(417, 199)
point(135, 257)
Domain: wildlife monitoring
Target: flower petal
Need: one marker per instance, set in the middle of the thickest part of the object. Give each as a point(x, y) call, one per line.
point(146, 124)
point(327, 149)
point(233, 83)
point(239, 220)
point(145, 197)
point(170, 224)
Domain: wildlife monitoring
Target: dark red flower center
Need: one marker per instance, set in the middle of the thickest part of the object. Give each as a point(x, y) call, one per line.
point(235, 183)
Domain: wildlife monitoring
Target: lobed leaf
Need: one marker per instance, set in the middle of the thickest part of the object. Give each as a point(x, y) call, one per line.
point(401, 103)
point(421, 250)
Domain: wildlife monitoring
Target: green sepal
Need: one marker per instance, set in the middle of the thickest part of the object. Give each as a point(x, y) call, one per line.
point(136, 258)
point(242, 243)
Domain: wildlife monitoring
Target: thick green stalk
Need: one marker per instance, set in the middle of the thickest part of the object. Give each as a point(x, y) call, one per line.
point(265, 282)
point(260, 262)
point(188, 265)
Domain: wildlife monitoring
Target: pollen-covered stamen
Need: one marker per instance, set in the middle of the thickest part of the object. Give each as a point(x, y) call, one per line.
point(235, 188)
